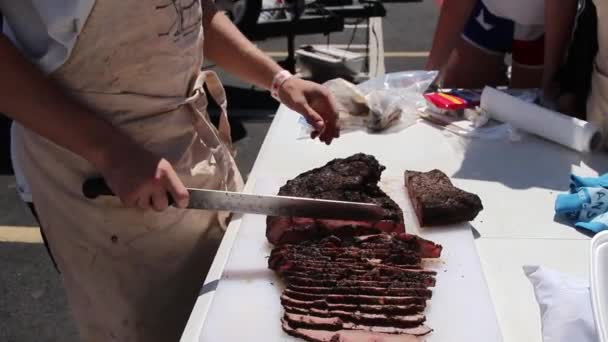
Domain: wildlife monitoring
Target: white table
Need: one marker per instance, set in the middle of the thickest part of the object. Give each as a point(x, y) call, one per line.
point(517, 181)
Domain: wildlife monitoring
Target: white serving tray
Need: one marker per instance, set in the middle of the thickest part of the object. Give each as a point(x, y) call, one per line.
point(246, 304)
point(599, 283)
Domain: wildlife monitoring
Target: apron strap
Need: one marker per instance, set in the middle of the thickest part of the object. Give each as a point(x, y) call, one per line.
point(217, 92)
point(221, 143)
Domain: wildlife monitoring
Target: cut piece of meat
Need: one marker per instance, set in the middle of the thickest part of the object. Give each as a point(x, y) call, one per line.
point(281, 229)
point(335, 320)
point(351, 264)
point(426, 279)
point(356, 299)
point(399, 250)
point(437, 202)
point(401, 241)
point(329, 268)
point(426, 248)
point(399, 257)
point(353, 179)
point(401, 261)
point(395, 241)
point(380, 271)
point(323, 320)
point(377, 252)
point(302, 281)
point(368, 308)
point(313, 335)
point(365, 290)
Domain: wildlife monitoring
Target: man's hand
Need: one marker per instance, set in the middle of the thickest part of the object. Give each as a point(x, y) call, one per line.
point(229, 49)
point(142, 180)
point(315, 103)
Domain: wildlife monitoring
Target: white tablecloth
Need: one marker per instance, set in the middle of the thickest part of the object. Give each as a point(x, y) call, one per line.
point(517, 182)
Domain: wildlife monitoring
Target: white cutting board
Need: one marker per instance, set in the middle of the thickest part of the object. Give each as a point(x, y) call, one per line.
point(246, 305)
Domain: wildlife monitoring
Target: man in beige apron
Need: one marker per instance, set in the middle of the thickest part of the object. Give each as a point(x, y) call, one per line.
point(132, 274)
point(597, 103)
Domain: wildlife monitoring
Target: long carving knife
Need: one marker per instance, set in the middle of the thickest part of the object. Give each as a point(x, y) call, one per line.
point(261, 204)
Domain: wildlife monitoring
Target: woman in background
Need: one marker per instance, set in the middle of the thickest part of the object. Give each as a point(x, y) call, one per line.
point(473, 37)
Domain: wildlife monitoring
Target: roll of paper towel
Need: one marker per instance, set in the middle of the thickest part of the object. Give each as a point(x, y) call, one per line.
point(571, 132)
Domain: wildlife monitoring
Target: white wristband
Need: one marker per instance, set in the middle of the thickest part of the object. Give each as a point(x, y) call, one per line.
point(278, 81)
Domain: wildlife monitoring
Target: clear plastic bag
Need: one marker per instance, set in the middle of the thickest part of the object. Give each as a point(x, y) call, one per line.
point(349, 99)
point(393, 100)
point(416, 81)
point(385, 109)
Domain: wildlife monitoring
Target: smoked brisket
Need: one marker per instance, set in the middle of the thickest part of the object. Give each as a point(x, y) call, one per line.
point(353, 179)
point(437, 202)
point(362, 288)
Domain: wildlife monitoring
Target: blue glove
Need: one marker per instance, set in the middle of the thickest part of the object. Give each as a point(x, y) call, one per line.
point(596, 225)
point(577, 182)
point(583, 205)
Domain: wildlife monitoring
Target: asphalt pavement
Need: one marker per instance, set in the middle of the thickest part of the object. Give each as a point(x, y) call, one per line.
point(32, 303)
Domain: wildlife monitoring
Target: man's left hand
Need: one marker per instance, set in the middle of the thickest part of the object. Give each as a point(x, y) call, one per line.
point(315, 103)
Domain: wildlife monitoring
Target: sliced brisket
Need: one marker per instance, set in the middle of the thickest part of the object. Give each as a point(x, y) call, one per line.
point(438, 202)
point(356, 299)
point(365, 290)
point(314, 335)
point(346, 275)
point(368, 308)
point(362, 288)
point(333, 323)
point(302, 281)
point(315, 317)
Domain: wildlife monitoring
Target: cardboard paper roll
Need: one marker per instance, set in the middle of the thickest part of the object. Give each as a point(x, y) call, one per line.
point(571, 132)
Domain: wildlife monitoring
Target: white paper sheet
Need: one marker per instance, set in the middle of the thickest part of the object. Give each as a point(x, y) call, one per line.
point(568, 131)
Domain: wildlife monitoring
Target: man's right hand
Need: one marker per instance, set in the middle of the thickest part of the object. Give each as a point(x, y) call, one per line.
point(143, 180)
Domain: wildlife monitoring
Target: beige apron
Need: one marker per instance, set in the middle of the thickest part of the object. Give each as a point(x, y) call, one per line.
point(132, 275)
point(597, 103)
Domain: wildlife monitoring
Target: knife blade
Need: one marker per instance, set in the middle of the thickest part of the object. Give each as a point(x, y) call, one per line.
point(261, 204)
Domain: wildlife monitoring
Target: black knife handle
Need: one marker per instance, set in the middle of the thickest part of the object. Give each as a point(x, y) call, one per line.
point(95, 187)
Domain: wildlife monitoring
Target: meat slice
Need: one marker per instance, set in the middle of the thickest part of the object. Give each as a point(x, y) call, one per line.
point(382, 253)
point(314, 335)
point(365, 290)
point(352, 179)
point(356, 299)
point(320, 319)
point(379, 271)
point(281, 229)
point(397, 242)
point(353, 264)
point(398, 250)
point(395, 251)
point(438, 202)
point(426, 279)
point(377, 309)
point(302, 281)
point(426, 248)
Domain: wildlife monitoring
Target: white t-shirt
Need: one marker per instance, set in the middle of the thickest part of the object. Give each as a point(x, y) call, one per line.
point(523, 12)
point(45, 31)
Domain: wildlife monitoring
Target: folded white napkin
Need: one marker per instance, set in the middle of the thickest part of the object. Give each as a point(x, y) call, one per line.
point(565, 305)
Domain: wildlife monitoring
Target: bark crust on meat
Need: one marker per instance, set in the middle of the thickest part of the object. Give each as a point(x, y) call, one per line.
point(353, 179)
point(437, 201)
